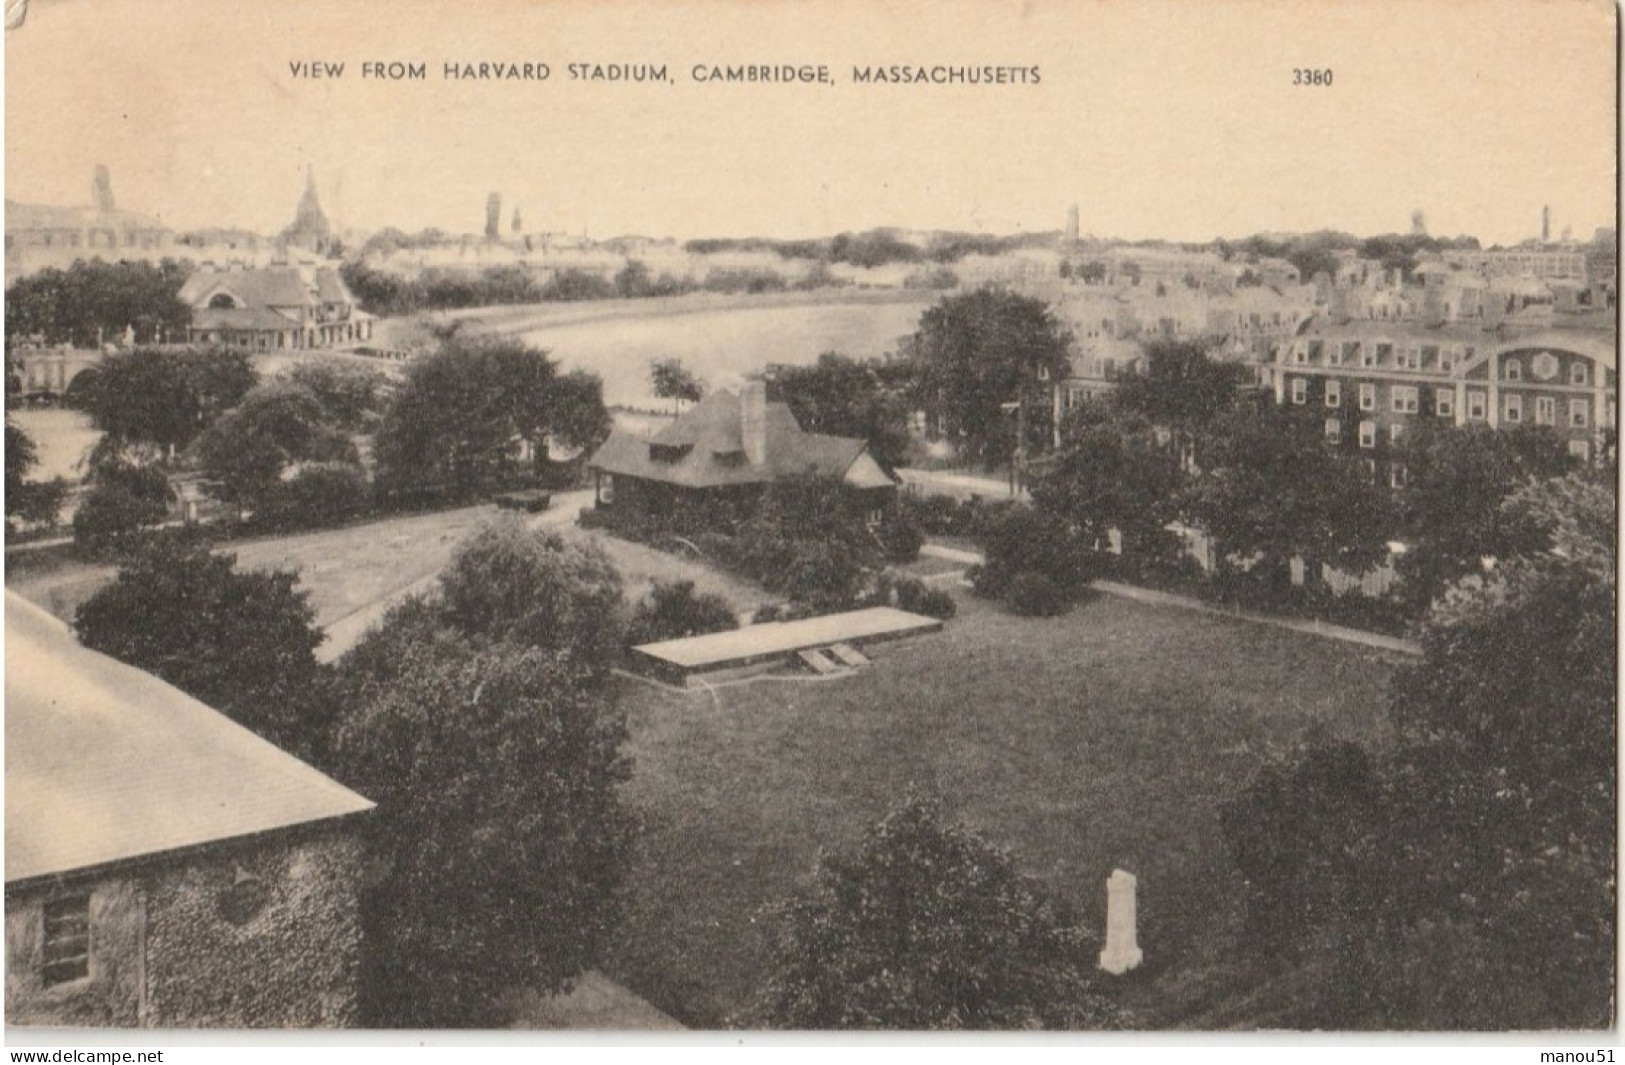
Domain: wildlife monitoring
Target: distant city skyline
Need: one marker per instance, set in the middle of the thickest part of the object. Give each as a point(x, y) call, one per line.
point(1159, 120)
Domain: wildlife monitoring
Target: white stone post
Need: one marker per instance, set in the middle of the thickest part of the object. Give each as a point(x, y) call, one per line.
point(1122, 951)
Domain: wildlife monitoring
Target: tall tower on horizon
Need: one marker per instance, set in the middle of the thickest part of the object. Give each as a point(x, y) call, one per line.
point(493, 216)
point(101, 189)
point(1546, 224)
point(310, 228)
point(1072, 224)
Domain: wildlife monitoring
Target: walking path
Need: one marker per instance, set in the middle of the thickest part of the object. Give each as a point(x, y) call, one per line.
point(1185, 602)
point(958, 485)
point(345, 632)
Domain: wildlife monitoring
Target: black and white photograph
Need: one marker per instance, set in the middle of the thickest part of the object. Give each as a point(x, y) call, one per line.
point(1087, 518)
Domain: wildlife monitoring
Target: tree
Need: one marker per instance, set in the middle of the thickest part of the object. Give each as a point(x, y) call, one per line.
point(577, 418)
point(1034, 561)
point(111, 518)
point(1450, 509)
point(351, 396)
point(1181, 389)
point(94, 302)
point(244, 643)
point(671, 380)
point(500, 843)
point(456, 423)
point(632, 281)
point(247, 452)
point(844, 397)
point(507, 582)
point(1270, 487)
point(165, 398)
point(927, 925)
point(673, 610)
point(1482, 841)
point(29, 502)
point(978, 352)
point(1111, 474)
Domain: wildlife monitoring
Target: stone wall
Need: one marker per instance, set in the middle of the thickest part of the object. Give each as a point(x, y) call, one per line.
point(248, 936)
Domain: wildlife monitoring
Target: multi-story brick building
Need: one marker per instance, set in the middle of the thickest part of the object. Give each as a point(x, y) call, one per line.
point(1374, 381)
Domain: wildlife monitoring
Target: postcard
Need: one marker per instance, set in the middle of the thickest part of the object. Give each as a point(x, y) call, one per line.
point(811, 515)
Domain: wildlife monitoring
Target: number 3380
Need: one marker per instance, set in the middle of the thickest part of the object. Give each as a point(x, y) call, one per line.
point(1311, 77)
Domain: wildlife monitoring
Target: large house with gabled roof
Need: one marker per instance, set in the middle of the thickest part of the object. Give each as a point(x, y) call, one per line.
point(723, 452)
point(274, 308)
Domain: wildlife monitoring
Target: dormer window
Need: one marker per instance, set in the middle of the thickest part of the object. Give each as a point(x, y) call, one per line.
point(668, 452)
point(1514, 370)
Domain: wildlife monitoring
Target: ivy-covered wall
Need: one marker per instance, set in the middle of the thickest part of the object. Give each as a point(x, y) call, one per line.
point(259, 935)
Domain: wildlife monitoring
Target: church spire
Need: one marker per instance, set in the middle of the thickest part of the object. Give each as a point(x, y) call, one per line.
point(310, 228)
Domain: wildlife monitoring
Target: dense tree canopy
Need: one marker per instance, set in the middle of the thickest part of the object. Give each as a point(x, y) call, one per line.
point(507, 582)
point(479, 722)
point(1112, 473)
point(95, 302)
point(165, 398)
point(351, 396)
point(1465, 877)
point(247, 451)
point(1450, 509)
point(926, 925)
point(242, 642)
point(1270, 487)
point(979, 351)
point(1180, 388)
point(28, 502)
point(456, 421)
point(499, 843)
point(844, 397)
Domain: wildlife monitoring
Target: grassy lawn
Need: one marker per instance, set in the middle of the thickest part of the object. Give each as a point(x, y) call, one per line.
point(354, 573)
point(1102, 739)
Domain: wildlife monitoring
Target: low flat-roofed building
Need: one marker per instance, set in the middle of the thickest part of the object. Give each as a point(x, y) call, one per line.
point(165, 867)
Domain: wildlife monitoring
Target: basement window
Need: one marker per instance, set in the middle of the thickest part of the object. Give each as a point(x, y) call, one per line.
point(67, 940)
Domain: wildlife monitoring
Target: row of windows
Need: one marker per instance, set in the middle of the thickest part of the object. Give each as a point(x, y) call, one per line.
point(1580, 449)
point(1429, 356)
point(1512, 370)
point(1379, 354)
point(1405, 399)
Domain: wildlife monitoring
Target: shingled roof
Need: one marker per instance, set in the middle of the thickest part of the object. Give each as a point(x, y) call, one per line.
point(271, 286)
point(106, 763)
point(705, 448)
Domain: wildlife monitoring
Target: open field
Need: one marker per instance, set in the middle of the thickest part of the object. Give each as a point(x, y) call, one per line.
point(354, 574)
point(720, 338)
point(63, 438)
point(1107, 738)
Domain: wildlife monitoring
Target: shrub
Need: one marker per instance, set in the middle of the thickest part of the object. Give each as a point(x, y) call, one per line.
point(1021, 540)
point(318, 496)
point(900, 535)
point(113, 518)
point(1032, 594)
point(917, 597)
point(673, 610)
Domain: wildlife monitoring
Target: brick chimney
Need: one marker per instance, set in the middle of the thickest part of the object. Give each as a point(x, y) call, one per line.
point(753, 422)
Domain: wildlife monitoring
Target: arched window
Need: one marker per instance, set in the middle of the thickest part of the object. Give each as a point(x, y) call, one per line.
point(222, 301)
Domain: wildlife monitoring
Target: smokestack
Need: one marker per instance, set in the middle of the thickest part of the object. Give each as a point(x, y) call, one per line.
point(101, 189)
point(753, 422)
point(493, 216)
point(1546, 225)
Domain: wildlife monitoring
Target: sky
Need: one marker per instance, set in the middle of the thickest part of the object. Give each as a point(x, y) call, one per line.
point(1174, 120)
